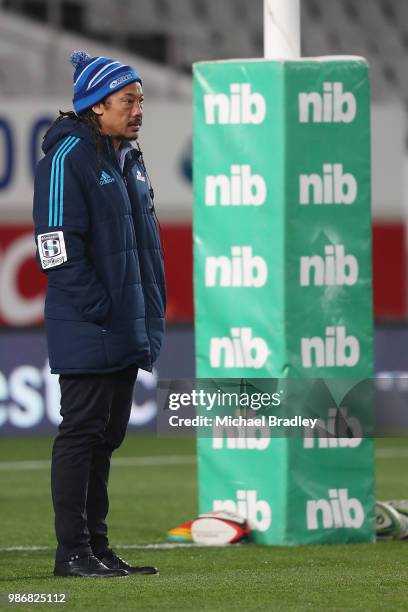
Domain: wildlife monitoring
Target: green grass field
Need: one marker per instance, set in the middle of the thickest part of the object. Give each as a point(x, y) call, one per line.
point(153, 488)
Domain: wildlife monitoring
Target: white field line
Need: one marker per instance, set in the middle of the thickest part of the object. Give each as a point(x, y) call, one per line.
point(158, 546)
point(159, 460)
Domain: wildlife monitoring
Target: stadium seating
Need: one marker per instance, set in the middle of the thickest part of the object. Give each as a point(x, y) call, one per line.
point(178, 32)
point(34, 61)
point(377, 30)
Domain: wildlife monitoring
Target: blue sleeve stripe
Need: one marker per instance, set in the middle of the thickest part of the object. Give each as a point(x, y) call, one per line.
point(61, 181)
point(60, 150)
point(57, 181)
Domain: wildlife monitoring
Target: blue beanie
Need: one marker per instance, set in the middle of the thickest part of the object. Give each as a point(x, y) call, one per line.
point(95, 78)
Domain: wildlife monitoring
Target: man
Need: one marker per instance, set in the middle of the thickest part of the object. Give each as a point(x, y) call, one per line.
point(98, 242)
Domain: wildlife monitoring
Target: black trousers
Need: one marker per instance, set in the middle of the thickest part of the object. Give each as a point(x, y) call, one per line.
point(95, 411)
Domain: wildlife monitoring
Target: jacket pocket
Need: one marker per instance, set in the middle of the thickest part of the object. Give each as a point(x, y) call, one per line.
point(67, 312)
point(75, 345)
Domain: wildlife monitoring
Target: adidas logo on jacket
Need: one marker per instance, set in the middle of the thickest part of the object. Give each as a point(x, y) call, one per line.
point(105, 178)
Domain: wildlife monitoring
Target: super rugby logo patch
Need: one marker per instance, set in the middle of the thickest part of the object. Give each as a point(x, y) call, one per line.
point(51, 248)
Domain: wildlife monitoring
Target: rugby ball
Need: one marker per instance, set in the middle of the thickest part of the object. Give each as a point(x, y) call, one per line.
point(390, 524)
point(401, 506)
point(219, 528)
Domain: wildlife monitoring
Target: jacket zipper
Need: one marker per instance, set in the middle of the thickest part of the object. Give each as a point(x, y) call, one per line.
point(113, 154)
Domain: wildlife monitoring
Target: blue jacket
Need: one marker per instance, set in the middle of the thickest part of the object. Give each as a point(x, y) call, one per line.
point(98, 242)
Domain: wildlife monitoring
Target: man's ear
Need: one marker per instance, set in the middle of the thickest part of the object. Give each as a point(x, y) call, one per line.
point(98, 109)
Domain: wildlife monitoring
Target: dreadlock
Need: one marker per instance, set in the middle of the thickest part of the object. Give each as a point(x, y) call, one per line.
point(87, 117)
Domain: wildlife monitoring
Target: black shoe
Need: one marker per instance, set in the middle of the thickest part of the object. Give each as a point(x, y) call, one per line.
point(88, 566)
point(114, 562)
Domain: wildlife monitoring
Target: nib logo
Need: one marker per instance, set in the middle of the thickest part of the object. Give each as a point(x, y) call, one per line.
point(335, 350)
point(338, 511)
point(246, 437)
point(241, 188)
point(239, 351)
point(334, 187)
point(243, 269)
point(339, 431)
point(334, 269)
point(105, 178)
point(333, 106)
point(241, 106)
point(258, 512)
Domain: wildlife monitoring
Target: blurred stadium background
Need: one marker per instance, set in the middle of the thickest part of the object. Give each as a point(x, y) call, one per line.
point(162, 38)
